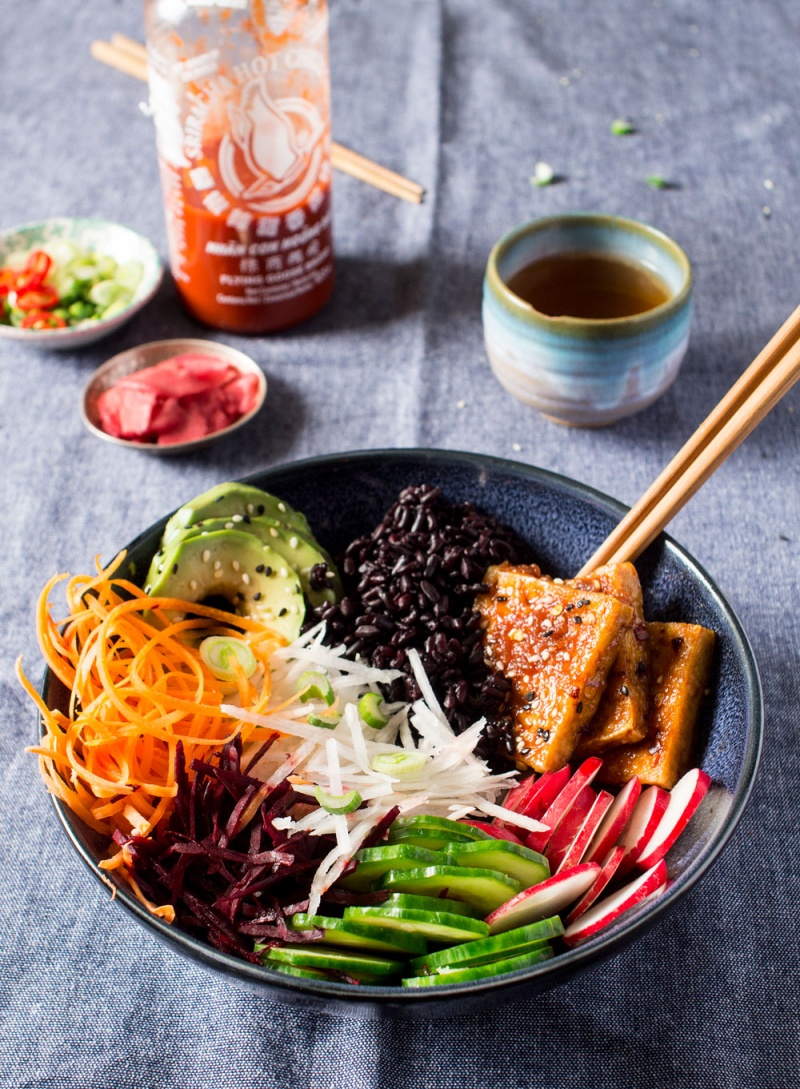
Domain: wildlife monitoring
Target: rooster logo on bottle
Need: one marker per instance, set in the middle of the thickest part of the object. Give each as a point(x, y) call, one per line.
point(271, 157)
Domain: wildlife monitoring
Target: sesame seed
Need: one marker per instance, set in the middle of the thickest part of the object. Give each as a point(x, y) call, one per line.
point(218, 574)
point(273, 531)
point(283, 572)
point(246, 579)
point(282, 508)
point(545, 655)
point(174, 568)
point(229, 525)
point(237, 518)
point(217, 564)
point(206, 556)
point(236, 565)
point(257, 596)
point(283, 612)
point(293, 542)
point(516, 635)
point(249, 508)
point(260, 568)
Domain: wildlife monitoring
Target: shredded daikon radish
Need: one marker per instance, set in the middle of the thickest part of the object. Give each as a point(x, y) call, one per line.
point(453, 782)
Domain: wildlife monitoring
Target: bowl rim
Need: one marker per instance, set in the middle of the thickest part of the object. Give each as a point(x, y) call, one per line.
point(239, 359)
point(617, 936)
point(568, 325)
point(53, 336)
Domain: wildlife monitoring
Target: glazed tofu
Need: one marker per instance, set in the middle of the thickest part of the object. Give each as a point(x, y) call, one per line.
point(622, 715)
point(681, 657)
point(556, 644)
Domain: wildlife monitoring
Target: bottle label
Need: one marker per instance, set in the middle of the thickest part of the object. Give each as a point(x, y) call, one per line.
point(245, 164)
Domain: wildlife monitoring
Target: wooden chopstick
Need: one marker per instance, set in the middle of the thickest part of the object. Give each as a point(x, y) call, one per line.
point(769, 377)
point(129, 56)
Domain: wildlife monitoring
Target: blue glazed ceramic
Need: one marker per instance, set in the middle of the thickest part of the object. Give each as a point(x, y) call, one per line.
point(580, 371)
point(345, 495)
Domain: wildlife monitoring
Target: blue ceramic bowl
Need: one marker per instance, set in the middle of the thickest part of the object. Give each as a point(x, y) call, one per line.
point(345, 495)
point(581, 371)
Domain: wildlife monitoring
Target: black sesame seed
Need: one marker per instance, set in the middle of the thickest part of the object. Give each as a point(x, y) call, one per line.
point(260, 568)
point(261, 508)
point(543, 734)
point(578, 619)
point(174, 568)
point(641, 668)
point(257, 596)
point(283, 611)
point(579, 706)
point(624, 690)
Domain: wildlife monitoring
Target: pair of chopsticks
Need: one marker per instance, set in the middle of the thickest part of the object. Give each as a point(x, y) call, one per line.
point(129, 56)
point(771, 375)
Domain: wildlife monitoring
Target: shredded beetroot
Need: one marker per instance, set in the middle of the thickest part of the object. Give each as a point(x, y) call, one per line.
point(231, 876)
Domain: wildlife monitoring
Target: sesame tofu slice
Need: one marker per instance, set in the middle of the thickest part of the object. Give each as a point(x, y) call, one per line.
point(681, 657)
point(556, 644)
point(622, 714)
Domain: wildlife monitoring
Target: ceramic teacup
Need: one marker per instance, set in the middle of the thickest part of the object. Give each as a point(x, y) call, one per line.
point(586, 371)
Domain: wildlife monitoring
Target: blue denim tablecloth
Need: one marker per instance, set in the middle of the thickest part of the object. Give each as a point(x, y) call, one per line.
point(466, 96)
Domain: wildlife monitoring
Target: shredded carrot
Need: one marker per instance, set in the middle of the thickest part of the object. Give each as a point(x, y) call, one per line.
point(137, 686)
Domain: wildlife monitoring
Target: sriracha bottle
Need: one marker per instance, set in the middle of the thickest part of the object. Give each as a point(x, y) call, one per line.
point(240, 93)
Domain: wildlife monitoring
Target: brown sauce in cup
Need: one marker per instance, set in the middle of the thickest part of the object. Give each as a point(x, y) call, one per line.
point(588, 285)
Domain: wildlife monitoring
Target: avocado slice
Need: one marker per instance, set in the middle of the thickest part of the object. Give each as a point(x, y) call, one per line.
point(254, 578)
point(232, 500)
point(300, 552)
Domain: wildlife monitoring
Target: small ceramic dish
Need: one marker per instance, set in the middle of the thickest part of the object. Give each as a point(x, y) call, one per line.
point(101, 238)
point(147, 355)
point(587, 371)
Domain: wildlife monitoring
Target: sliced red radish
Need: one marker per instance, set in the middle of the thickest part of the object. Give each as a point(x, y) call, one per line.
point(684, 799)
point(496, 831)
point(540, 901)
point(577, 849)
point(649, 810)
point(609, 869)
point(533, 796)
point(568, 828)
point(609, 910)
point(558, 809)
point(614, 822)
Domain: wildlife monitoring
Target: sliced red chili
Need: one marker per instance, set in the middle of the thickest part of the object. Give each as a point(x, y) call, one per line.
point(35, 271)
point(42, 319)
point(43, 298)
point(8, 277)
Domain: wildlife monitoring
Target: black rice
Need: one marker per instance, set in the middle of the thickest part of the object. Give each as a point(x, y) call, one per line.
point(412, 582)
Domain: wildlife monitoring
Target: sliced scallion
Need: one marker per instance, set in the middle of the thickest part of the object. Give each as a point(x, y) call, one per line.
point(622, 127)
point(326, 722)
point(401, 765)
point(369, 707)
point(337, 803)
point(543, 174)
point(315, 686)
point(220, 652)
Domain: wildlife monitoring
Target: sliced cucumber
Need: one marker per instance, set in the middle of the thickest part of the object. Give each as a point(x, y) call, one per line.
point(373, 862)
point(349, 933)
point(436, 926)
point(302, 973)
point(480, 971)
point(525, 939)
point(322, 956)
point(431, 903)
point(526, 866)
point(441, 825)
point(430, 840)
point(485, 889)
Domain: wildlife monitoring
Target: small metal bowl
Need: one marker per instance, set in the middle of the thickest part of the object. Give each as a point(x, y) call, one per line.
point(147, 355)
point(101, 237)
